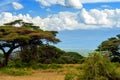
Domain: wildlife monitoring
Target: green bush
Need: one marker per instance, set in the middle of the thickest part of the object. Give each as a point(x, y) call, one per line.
point(70, 76)
point(32, 65)
point(99, 67)
point(19, 64)
point(55, 66)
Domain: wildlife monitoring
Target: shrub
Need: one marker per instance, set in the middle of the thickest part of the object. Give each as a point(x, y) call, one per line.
point(70, 76)
point(99, 67)
point(55, 66)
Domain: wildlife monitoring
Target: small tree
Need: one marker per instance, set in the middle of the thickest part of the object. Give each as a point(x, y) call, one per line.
point(112, 45)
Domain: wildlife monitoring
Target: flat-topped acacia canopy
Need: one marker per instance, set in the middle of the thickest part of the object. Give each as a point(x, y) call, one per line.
point(9, 33)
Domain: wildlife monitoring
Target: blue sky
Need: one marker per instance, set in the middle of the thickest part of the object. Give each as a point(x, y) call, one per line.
point(82, 24)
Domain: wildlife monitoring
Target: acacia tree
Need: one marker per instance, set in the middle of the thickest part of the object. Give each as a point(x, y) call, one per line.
point(112, 45)
point(24, 37)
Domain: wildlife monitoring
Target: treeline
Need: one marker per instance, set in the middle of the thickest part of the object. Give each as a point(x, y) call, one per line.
point(48, 54)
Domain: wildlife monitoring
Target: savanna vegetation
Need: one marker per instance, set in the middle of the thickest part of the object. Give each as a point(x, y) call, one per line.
point(26, 49)
point(112, 46)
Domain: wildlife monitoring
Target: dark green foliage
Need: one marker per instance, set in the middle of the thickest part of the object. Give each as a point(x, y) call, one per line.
point(1, 58)
point(49, 53)
point(1, 55)
point(72, 57)
point(52, 54)
point(32, 65)
point(13, 23)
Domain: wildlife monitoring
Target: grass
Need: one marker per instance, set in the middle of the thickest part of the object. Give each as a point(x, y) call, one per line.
point(46, 72)
point(51, 72)
point(58, 68)
point(37, 75)
point(15, 71)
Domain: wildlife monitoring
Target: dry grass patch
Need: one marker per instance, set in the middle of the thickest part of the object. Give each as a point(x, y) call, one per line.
point(45, 74)
point(35, 76)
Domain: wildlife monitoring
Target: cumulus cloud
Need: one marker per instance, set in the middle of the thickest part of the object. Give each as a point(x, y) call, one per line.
point(93, 19)
point(17, 6)
point(97, 1)
point(67, 3)
point(73, 3)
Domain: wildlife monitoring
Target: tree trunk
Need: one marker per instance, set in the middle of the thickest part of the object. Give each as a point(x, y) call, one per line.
point(5, 62)
point(7, 54)
point(6, 57)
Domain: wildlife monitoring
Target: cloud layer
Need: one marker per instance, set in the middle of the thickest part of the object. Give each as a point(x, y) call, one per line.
point(67, 3)
point(93, 19)
point(70, 3)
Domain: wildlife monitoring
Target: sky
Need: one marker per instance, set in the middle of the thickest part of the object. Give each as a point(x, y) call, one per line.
point(82, 24)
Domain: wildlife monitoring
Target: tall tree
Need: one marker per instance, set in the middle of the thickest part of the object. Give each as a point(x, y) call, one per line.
point(24, 37)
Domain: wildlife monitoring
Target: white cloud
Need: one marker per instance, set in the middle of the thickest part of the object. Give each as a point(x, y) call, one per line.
point(73, 3)
point(61, 2)
point(86, 17)
point(93, 19)
point(47, 2)
point(97, 1)
point(68, 3)
point(4, 4)
point(17, 6)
